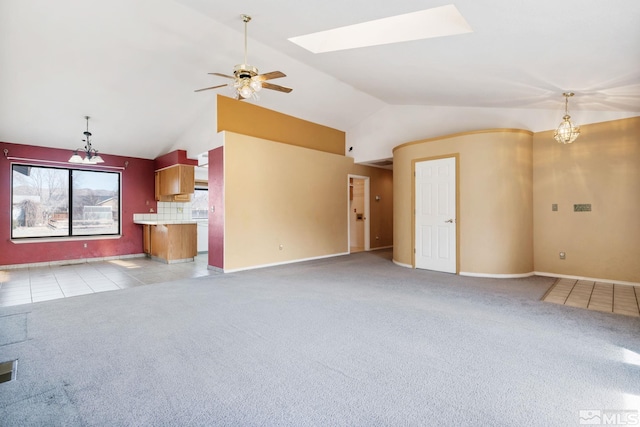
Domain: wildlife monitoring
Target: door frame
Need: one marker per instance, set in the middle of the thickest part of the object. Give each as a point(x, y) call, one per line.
point(367, 211)
point(456, 156)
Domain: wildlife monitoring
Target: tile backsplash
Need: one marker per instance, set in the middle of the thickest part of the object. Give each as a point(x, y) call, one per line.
point(168, 211)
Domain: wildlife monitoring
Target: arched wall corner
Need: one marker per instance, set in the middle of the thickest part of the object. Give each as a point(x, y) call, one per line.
point(495, 222)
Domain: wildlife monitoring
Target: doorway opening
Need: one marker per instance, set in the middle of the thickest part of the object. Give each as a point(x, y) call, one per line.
point(200, 207)
point(358, 213)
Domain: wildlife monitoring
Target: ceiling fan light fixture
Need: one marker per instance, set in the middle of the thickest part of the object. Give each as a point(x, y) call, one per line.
point(566, 132)
point(255, 84)
point(246, 91)
point(246, 80)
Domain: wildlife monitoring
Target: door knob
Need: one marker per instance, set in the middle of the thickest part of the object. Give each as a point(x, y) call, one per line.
point(450, 221)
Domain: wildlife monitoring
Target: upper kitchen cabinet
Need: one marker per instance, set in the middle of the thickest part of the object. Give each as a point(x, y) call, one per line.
point(175, 183)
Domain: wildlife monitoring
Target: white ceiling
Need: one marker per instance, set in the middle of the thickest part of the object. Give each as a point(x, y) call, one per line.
point(132, 65)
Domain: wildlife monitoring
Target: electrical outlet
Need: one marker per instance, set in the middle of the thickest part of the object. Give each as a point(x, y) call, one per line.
point(281, 247)
point(563, 255)
point(85, 245)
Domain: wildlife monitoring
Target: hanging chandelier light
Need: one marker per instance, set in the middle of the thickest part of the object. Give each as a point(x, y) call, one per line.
point(91, 154)
point(567, 132)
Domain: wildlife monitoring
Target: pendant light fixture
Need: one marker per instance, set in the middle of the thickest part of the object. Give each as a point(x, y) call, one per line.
point(91, 154)
point(567, 132)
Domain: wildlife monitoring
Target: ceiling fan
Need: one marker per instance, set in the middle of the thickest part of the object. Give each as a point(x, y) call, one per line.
point(247, 82)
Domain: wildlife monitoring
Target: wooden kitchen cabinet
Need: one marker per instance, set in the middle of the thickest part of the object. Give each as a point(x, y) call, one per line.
point(157, 185)
point(173, 242)
point(146, 239)
point(175, 183)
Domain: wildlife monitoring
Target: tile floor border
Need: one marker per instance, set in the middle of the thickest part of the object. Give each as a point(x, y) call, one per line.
point(596, 296)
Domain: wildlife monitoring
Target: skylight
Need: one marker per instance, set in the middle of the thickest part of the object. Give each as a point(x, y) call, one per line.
point(436, 22)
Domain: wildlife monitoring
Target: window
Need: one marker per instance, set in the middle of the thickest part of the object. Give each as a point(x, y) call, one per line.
point(200, 204)
point(57, 202)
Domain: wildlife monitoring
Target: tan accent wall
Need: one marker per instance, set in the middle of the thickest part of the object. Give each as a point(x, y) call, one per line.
point(601, 168)
point(249, 119)
point(495, 224)
point(279, 194)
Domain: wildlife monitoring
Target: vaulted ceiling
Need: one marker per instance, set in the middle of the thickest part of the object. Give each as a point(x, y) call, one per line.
point(133, 66)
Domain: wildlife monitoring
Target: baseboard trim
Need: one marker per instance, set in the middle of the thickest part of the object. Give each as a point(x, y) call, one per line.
point(401, 264)
point(497, 276)
point(592, 279)
point(275, 264)
point(381, 247)
point(58, 263)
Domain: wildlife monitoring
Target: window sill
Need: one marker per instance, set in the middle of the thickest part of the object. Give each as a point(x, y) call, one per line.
point(63, 239)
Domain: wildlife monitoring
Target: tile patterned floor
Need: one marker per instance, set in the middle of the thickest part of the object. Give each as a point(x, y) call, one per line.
point(607, 297)
point(35, 284)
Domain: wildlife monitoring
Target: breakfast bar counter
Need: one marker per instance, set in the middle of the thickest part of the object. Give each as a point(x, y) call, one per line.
point(169, 241)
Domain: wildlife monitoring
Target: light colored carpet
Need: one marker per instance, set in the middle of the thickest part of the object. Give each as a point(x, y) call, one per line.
point(354, 340)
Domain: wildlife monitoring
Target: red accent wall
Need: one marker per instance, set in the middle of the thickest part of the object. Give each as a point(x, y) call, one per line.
point(216, 201)
point(177, 157)
point(138, 196)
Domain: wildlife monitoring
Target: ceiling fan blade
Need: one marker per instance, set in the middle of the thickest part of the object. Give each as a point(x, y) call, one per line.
point(271, 75)
point(222, 75)
point(276, 87)
point(207, 88)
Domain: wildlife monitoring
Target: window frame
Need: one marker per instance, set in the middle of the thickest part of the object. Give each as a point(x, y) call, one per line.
point(204, 188)
point(70, 196)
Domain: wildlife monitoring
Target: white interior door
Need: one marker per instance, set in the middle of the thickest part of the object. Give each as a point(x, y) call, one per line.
point(435, 215)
